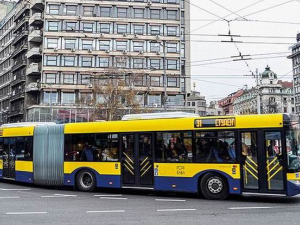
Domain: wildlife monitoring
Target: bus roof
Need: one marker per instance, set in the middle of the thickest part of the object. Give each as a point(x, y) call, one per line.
point(239, 122)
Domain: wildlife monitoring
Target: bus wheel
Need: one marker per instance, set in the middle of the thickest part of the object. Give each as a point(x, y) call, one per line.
point(214, 186)
point(85, 180)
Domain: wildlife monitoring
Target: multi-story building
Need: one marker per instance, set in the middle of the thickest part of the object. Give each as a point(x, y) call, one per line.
point(5, 8)
point(6, 63)
point(213, 109)
point(270, 96)
point(227, 103)
point(62, 47)
point(196, 103)
point(295, 56)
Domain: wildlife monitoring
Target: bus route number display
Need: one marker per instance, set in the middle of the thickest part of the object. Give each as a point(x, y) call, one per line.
point(225, 122)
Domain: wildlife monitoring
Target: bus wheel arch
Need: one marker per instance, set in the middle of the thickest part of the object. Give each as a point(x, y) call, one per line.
point(213, 186)
point(85, 180)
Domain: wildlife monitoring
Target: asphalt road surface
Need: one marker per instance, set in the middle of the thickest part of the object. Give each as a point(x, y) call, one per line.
point(23, 204)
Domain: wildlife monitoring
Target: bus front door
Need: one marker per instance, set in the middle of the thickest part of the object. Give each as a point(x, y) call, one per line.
point(137, 160)
point(261, 162)
point(9, 158)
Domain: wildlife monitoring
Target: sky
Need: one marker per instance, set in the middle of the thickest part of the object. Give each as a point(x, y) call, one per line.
point(216, 79)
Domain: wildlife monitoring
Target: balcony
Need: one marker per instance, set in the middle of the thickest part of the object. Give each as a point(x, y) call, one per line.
point(18, 65)
point(34, 53)
point(20, 36)
point(32, 87)
point(20, 50)
point(21, 8)
point(35, 36)
point(33, 69)
point(37, 4)
point(36, 19)
point(17, 96)
point(20, 23)
point(18, 80)
point(16, 112)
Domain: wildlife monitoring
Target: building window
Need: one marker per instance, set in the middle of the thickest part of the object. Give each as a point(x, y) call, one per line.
point(155, 64)
point(88, 10)
point(105, 12)
point(71, 26)
point(88, 27)
point(53, 9)
point(86, 61)
point(52, 43)
point(53, 26)
point(155, 30)
point(171, 15)
point(138, 13)
point(103, 62)
point(50, 97)
point(172, 47)
point(172, 64)
point(68, 98)
point(87, 44)
point(51, 60)
point(138, 63)
point(104, 28)
point(172, 82)
point(122, 12)
point(138, 29)
point(155, 14)
point(69, 61)
point(154, 47)
point(193, 104)
point(121, 62)
point(121, 28)
point(85, 79)
point(155, 81)
point(172, 31)
point(138, 46)
point(50, 78)
point(121, 45)
point(104, 45)
point(68, 78)
point(70, 43)
point(154, 100)
point(71, 10)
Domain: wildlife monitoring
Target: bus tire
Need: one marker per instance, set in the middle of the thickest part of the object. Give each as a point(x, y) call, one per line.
point(214, 186)
point(85, 180)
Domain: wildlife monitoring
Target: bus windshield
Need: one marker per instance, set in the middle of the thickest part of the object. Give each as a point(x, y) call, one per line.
point(293, 146)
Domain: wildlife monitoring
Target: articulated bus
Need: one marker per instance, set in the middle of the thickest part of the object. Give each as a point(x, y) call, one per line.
point(212, 156)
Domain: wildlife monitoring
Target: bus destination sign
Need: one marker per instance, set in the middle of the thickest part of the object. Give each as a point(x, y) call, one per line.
point(222, 122)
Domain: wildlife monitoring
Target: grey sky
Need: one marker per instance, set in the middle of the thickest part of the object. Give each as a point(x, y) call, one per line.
point(288, 12)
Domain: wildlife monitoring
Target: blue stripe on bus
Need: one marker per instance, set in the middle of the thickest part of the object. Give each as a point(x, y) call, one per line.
point(113, 181)
point(1, 173)
point(191, 184)
point(26, 177)
point(292, 189)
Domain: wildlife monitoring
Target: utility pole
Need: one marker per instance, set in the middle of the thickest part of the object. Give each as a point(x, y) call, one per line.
point(51, 112)
point(257, 80)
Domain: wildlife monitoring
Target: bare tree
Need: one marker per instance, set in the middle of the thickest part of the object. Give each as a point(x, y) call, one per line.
point(115, 94)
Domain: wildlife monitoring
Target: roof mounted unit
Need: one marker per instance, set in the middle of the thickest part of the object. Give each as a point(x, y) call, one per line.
point(165, 115)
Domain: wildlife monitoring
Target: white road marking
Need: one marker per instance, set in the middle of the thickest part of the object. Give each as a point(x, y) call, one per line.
point(174, 210)
point(108, 195)
point(170, 200)
point(24, 213)
point(257, 207)
point(8, 189)
point(9, 197)
point(113, 198)
point(58, 196)
point(111, 211)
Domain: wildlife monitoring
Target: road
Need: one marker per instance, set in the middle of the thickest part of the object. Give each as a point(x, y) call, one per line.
point(23, 204)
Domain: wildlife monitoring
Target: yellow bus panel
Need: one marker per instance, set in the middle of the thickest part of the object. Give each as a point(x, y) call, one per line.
point(293, 176)
point(17, 131)
point(24, 166)
point(1, 164)
point(191, 169)
point(103, 168)
point(244, 121)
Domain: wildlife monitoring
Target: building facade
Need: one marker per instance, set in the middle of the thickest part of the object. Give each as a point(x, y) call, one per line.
point(6, 64)
point(270, 96)
point(62, 48)
point(295, 56)
point(196, 103)
point(227, 103)
point(213, 109)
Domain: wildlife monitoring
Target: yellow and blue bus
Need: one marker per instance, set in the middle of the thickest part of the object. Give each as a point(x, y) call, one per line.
point(212, 156)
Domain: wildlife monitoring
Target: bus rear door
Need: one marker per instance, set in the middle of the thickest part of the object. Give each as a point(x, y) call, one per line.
point(9, 158)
